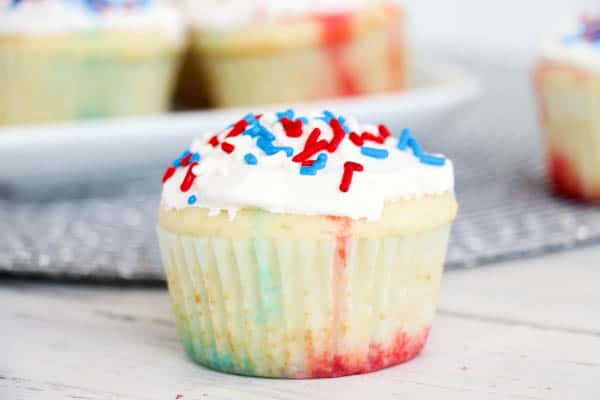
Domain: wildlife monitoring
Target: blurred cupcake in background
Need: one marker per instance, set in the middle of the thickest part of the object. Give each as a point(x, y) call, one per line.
point(79, 59)
point(567, 80)
point(269, 51)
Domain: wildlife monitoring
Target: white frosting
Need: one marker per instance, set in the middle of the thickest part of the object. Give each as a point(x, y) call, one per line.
point(47, 17)
point(227, 13)
point(225, 182)
point(565, 47)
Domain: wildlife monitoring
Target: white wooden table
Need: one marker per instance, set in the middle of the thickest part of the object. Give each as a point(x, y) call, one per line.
point(520, 330)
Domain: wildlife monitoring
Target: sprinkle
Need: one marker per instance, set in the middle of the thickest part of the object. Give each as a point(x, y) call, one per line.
point(327, 116)
point(374, 153)
point(192, 200)
point(238, 128)
point(168, 173)
point(185, 162)
point(189, 178)
point(288, 114)
point(338, 135)
point(178, 161)
point(384, 131)
point(357, 140)
point(432, 160)
point(292, 128)
point(311, 147)
point(403, 139)
point(250, 159)
point(214, 141)
point(315, 165)
point(195, 157)
point(308, 171)
point(227, 147)
point(349, 169)
point(251, 118)
point(415, 146)
point(368, 136)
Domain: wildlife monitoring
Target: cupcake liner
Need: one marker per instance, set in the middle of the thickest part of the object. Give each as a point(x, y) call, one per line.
point(304, 308)
point(62, 78)
point(372, 61)
point(568, 102)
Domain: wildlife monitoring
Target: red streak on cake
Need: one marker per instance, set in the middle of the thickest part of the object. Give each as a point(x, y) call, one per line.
point(564, 178)
point(403, 348)
point(336, 31)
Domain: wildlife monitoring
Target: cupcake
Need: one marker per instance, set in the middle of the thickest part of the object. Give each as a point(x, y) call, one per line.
point(79, 59)
point(567, 80)
point(269, 51)
point(305, 246)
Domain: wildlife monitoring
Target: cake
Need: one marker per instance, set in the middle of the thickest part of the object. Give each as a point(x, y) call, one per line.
point(268, 51)
point(567, 81)
point(305, 246)
point(80, 59)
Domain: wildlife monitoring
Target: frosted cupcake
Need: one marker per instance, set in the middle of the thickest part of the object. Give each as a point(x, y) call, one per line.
point(78, 59)
point(305, 247)
point(567, 80)
point(271, 51)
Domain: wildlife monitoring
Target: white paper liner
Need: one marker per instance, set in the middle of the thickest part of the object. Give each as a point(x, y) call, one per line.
point(291, 308)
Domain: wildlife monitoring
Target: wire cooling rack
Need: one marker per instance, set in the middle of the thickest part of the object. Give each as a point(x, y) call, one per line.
point(106, 231)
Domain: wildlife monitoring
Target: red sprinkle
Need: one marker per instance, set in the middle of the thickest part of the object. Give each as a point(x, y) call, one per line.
point(186, 160)
point(227, 147)
point(384, 131)
point(238, 128)
point(292, 128)
point(214, 141)
point(308, 163)
point(189, 178)
point(357, 140)
point(338, 135)
point(368, 136)
point(168, 173)
point(349, 169)
point(312, 146)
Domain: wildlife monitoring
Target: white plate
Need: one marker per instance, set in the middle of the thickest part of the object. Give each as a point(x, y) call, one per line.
point(63, 152)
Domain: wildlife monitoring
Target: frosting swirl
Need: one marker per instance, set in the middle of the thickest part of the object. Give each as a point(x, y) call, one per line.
point(323, 164)
point(47, 17)
point(577, 43)
point(223, 14)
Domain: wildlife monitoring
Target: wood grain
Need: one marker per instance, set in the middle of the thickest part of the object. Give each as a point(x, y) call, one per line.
point(520, 330)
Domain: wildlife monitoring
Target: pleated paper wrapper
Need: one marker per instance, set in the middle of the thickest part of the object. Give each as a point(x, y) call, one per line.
point(303, 308)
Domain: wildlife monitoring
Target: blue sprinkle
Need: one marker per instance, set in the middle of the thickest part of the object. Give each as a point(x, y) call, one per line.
point(177, 162)
point(250, 159)
point(374, 153)
point(321, 161)
point(415, 146)
point(304, 120)
point(288, 150)
point(308, 171)
point(319, 164)
point(289, 114)
point(251, 119)
point(327, 116)
point(403, 139)
point(253, 131)
point(192, 199)
point(342, 122)
point(195, 158)
point(432, 160)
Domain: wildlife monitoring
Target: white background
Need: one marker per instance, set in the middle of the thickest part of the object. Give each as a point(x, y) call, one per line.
point(506, 30)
